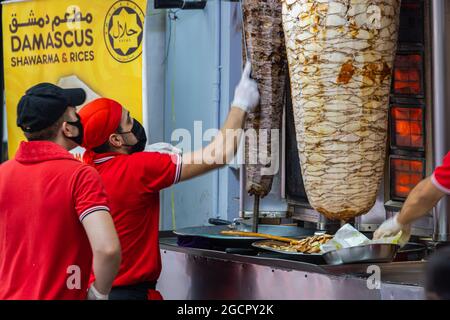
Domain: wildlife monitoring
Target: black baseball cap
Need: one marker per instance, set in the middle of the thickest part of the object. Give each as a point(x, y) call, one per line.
point(43, 104)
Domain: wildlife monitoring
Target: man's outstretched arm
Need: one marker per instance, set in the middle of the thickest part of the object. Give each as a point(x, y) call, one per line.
point(225, 144)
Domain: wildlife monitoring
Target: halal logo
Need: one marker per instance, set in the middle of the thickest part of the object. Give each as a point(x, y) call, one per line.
point(124, 31)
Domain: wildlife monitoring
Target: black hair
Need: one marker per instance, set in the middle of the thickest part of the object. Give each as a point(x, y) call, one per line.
point(46, 134)
point(438, 274)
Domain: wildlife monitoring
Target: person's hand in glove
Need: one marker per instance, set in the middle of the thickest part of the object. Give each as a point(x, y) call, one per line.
point(93, 294)
point(422, 198)
point(391, 228)
point(162, 147)
point(246, 94)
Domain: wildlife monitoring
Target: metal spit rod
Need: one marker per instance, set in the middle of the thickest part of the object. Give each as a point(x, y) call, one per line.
point(256, 200)
point(255, 214)
point(244, 37)
point(441, 113)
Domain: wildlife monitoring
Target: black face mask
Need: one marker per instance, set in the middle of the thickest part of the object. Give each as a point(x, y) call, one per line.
point(78, 139)
point(139, 132)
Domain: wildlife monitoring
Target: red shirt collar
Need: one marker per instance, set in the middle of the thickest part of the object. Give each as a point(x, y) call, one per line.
point(39, 151)
point(103, 157)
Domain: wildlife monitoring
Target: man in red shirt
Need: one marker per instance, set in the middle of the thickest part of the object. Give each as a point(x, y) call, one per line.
point(133, 180)
point(54, 212)
point(420, 201)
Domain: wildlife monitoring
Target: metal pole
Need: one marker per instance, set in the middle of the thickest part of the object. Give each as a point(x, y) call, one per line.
point(255, 214)
point(217, 99)
point(441, 114)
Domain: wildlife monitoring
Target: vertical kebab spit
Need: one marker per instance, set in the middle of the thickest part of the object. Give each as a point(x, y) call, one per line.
point(340, 56)
point(264, 46)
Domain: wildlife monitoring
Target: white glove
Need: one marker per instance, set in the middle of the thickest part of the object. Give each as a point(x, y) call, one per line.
point(392, 227)
point(246, 94)
point(93, 294)
point(162, 147)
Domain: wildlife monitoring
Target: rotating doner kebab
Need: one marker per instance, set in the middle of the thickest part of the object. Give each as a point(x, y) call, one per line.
point(264, 47)
point(340, 56)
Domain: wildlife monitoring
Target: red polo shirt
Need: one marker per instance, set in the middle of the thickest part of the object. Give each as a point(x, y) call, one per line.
point(45, 193)
point(441, 175)
point(133, 183)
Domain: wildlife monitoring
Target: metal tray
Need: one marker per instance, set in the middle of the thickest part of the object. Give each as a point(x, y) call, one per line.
point(411, 252)
point(371, 253)
point(316, 258)
point(209, 237)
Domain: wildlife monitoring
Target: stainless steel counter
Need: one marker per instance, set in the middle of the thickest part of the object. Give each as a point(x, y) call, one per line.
point(190, 273)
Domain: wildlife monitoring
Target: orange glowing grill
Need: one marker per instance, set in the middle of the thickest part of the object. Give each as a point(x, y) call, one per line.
point(407, 127)
point(408, 114)
point(408, 74)
point(407, 124)
point(406, 173)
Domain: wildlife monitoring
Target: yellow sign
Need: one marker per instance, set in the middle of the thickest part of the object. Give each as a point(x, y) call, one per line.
point(94, 44)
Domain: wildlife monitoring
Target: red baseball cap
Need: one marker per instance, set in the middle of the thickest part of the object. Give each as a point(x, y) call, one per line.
point(100, 118)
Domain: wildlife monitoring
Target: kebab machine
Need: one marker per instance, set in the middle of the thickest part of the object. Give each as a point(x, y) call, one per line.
point(352, 116)
point(363, 119)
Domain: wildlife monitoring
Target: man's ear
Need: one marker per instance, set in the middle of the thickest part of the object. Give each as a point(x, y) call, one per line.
point(66, 129)
point(115, 140)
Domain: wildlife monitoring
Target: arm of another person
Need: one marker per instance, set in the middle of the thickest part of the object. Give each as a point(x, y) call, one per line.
point(91, 205)
point(225, 144)
point(105, 246)
point(420, 201)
